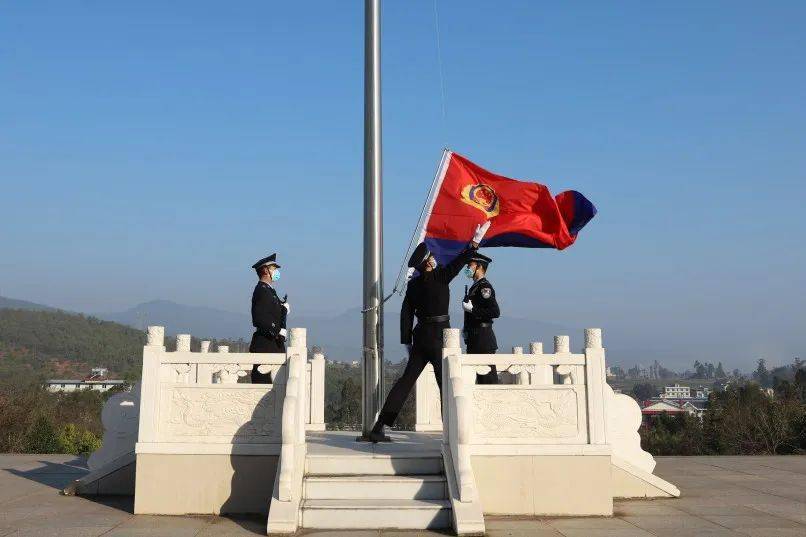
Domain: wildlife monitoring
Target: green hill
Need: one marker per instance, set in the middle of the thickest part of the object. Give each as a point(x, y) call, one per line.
point(56, 343)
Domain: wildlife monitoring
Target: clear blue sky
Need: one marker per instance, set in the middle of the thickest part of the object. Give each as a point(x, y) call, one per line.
point(155, 150)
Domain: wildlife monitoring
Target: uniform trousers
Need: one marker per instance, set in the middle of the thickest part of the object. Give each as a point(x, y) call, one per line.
point(261, 343)
point(427, 348)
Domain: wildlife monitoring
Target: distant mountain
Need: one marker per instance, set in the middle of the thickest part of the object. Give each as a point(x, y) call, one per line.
point(50, 340)
point(13, 303)
point(181, 319)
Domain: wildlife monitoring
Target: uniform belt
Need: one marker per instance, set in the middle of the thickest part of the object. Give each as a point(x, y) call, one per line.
point(434, 319)
point(478, 325)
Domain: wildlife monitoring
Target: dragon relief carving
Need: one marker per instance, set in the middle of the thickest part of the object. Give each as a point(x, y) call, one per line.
point(223, 412)
point(524, 413)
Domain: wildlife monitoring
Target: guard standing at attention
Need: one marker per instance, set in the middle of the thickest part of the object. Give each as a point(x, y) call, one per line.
point(427, 298)
point(480, 309)
point(268, 314)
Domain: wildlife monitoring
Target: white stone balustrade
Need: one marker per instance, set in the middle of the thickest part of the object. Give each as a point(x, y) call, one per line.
point(560, 424)
point(194, 403)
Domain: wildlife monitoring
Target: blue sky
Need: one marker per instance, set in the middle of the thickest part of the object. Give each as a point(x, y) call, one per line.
point(155, 150)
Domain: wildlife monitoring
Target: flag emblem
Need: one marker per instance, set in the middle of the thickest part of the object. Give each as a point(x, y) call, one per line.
point(482, 197)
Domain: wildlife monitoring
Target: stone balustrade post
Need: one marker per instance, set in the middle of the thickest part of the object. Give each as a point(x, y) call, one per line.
point(297, 337)
point(595, 386)
point(522, 377)
point(156, 336)
point(543, 373)
point(204, 374)
point(316, 401)
point(183, 343)
point(451, 346)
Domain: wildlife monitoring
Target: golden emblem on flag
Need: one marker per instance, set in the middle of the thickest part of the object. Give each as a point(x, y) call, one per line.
point(482, 197)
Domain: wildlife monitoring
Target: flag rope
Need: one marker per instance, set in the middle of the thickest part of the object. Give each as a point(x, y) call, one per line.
point(443, 98)
point(414, 233)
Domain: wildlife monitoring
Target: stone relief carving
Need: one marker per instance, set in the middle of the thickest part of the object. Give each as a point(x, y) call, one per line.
point(181, 372)
point(524, 413)
point(223, 412)
point(229, 373)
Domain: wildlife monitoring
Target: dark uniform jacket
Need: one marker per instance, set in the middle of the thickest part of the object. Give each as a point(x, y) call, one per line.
point(478, 329)
point(428, 295)
point(268, 317)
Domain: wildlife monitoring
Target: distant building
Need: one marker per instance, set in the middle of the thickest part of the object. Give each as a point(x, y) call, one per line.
point(60, 385)
point(693, 406)
point(97, 380)
point(676, 392)
point(654, 408)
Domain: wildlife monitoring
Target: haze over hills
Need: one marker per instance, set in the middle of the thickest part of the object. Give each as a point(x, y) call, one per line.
point(13, 303)
point(340, 335)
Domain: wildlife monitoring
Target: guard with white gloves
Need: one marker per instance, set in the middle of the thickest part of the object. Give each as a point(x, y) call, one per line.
point(481, 308)
point(268, 315)
point(427, 298)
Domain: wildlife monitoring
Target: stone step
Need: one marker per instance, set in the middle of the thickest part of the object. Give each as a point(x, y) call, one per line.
point(376, 513)
point(393, 487)
point(425, 463)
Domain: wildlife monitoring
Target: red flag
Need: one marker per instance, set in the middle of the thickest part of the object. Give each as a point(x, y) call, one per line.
point(521, 213)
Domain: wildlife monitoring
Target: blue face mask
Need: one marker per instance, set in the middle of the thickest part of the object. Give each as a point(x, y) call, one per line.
point(469, 272)
point(275, 275)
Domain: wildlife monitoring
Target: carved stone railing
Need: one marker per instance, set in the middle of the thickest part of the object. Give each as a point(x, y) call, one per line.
point(287, 493)
point(556, 404)
point(194, 398)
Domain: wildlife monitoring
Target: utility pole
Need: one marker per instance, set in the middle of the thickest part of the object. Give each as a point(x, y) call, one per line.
point(372, 374)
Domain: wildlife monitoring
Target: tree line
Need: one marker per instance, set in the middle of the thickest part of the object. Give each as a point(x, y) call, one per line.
point(746, 418)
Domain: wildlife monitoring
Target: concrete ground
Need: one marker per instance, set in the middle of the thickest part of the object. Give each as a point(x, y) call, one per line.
point(721, 496)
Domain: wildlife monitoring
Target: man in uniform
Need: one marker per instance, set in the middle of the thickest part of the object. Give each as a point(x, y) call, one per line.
point(268, 314)
point(480, 309)
point(427, 298)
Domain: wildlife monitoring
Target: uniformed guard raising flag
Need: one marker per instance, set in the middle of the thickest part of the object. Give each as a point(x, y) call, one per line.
point(268, 314)
point(427, 298)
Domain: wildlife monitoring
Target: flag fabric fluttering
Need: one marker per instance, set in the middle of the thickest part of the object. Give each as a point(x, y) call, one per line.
point(522, 214)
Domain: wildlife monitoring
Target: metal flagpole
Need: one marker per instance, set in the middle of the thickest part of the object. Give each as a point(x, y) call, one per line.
point(372, 376)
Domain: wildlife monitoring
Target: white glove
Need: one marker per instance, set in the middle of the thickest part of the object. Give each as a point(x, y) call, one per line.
point(287, 307)
point(410, 273)
point(481, 229)
point(284, 332)
point(468, 306)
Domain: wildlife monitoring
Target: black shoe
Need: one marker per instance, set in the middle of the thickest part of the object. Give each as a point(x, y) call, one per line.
point(377, 436)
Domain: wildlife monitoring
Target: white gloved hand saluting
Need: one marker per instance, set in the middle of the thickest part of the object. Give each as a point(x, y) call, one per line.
point(481, 229)
point(287, 307)
point(284, 332)
point(467, 306)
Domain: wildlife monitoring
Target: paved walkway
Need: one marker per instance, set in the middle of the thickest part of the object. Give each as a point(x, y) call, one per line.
point(721, 496)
